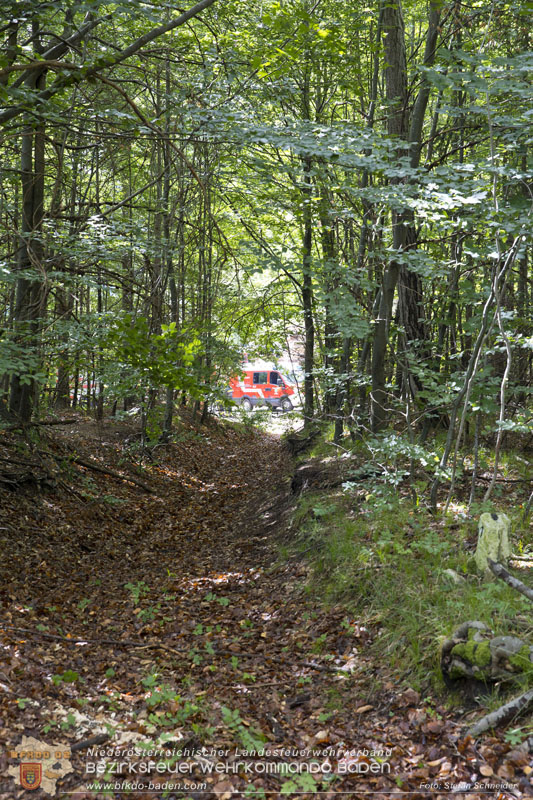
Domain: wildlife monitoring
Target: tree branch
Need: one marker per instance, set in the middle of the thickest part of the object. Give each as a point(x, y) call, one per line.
point(502, 714)
point(40, 65)
point(500, 572)
point(85, 73)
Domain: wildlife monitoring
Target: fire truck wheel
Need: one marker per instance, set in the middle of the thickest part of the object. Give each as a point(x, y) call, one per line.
point(286, 404)
point(246, 404)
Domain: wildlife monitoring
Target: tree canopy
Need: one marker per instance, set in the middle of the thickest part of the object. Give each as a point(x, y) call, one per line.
point(181, 186)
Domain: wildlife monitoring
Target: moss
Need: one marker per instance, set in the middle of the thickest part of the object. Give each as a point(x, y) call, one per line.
point(475, 653)
point(493, 541)
point(521, 660)
point(456, 674)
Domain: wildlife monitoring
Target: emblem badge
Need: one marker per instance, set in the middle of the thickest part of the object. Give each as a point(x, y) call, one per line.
point(31, 775)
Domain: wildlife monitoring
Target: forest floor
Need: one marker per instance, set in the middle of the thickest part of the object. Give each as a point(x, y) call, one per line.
point(164, 615)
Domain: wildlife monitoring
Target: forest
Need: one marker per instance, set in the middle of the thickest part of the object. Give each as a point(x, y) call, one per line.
point(343, 187)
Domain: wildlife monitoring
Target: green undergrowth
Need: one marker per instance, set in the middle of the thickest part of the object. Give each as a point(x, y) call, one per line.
point(381, 554)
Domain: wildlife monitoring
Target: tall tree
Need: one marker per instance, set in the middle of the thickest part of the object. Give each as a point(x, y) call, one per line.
point(408, 131)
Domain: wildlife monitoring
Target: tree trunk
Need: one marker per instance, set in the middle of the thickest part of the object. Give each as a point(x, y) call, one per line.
point(30, 258)
point(403, 228)
point(307, 296)
point(331, 286)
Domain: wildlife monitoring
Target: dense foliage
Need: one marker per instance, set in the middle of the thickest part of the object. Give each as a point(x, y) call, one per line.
point(178, 187)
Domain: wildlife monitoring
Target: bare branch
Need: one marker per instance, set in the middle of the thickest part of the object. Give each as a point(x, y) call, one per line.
point(92, 71)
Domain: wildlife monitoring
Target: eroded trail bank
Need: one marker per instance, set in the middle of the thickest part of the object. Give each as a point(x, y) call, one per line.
point(166, 617)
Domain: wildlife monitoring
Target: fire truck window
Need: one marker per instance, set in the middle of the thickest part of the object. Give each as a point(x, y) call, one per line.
point(260, 377)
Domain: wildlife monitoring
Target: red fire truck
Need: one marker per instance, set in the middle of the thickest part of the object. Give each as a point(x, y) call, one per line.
point(261, 384)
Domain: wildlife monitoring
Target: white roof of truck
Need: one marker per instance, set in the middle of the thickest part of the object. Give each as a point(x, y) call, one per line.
point(250, 366)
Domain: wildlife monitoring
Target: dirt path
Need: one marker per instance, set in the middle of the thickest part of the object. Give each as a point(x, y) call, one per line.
point(134, 615)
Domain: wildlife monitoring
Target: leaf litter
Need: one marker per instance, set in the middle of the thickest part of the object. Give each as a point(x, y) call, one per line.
point(163, 615)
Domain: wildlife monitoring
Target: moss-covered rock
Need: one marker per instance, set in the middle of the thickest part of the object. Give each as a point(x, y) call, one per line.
point(477, 654)
point(511, 654)
point(472, 653)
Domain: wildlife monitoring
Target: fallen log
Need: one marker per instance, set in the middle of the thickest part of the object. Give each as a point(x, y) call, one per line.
point(500, 572)
point(21, 426)
point(502, 714)
point(107, 471)
point(56, 422)
point(99, 468)
point(469, 474)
